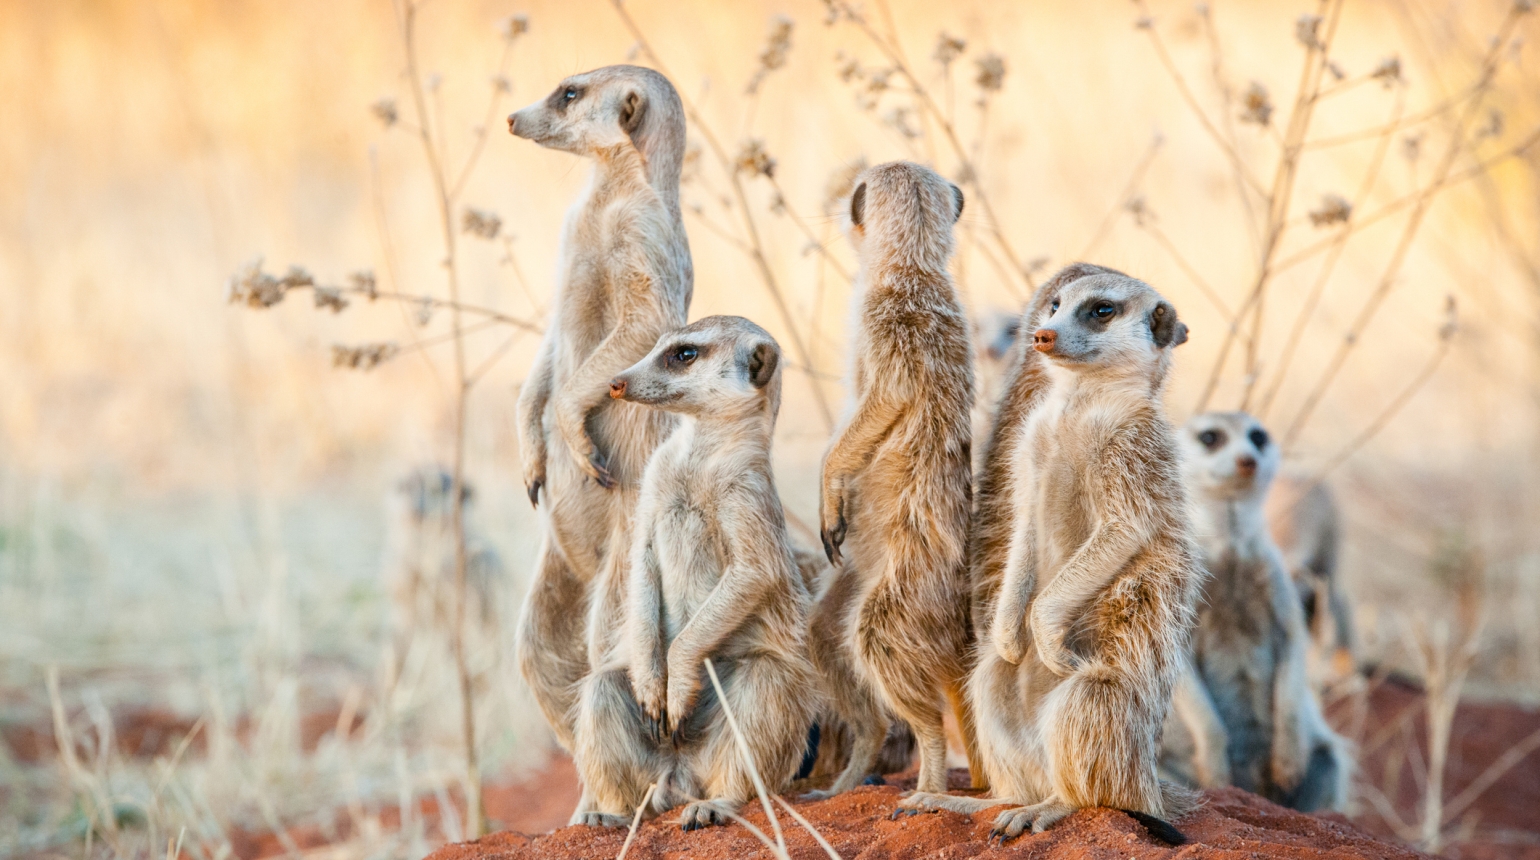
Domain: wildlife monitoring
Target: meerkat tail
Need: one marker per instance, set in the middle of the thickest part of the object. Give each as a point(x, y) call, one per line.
point(1157, 828)
point(970, 736)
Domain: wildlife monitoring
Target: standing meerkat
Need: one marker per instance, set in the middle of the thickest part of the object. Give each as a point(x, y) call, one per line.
point(1093, 606)
point(625, 279)
point(1304, 520)
point(712, 576)
point(897, 480)
point(1249, 647)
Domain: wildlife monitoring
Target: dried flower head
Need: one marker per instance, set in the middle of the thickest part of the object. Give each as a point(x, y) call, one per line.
point(835, 11)
point(841, 182)
point(991, 72)
point(363, 281)
point(1334, 209)
point(1256, 105)
point(774, 55)
point(501, 84)
point(1388, 72)
point(1144, 22)
point(1336, 70)
point(1308, 31)
point(476, 222)
point(1493, 126)
point(424, 312)
point(1140, 209)
point(384, 110)
point(513, 26)
point(1411, 147)
point(754, 160)
point(1523, 6)
point(296, 277)
point(901, 120)
point(948, 48)
point(689, 170)
point(849, 68)
point(253, 287)
point(329, 297)
point(365, 357)
point(1451, 319)
point(1037, 265)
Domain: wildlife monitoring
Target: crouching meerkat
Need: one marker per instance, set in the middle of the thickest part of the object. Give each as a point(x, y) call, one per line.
point(712, 576)
point(1305, 521)
point(1093, 604)
point(1249, 647)
point(625, 278)
point(897, 480)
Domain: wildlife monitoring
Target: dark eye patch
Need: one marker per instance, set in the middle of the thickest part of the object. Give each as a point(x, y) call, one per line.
point(564, 96)
point(1211, 439)
point(1098, 313)
point(1258, 437)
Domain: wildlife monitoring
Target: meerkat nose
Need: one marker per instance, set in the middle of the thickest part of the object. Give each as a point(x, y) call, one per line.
point(617, 388)
point(1043, 339)
point(513, 121)
point(1246, 464)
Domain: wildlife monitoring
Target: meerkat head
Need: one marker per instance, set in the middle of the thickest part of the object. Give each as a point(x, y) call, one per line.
point(1093, 320)
point(596, 110)
point(904, 212)
point(717, 367)
point(1229, 455)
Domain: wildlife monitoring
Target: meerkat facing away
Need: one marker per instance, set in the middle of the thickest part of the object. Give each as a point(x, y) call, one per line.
point(1249, 647)
point(422, 564)
point(1094, 606)
point(625, 279)
point(897, 480)
point(712, 576)
point(1304, 520)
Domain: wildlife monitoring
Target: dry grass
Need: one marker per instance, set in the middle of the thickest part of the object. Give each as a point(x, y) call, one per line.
point(190, 497)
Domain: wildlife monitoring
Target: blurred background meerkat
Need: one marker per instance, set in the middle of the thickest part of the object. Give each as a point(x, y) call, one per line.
point(1306, 523)
point(421, 567)
point(1249, 646)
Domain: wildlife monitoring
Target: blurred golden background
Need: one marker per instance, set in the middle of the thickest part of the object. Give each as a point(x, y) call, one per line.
point(200, 516)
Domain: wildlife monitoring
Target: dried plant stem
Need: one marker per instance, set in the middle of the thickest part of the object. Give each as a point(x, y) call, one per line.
point(1445, 666)
point(636, 821)
point(748, 756)
point(1510, 759)
point(1227, 116)
point(1119, 205)
point(1409, 233)
point(807, 232)
point(1147, 23)
point(406, 12)
point(817, 837)
point(1396, 125)
point(1312, 300)
point(893, 50)
point(756, 249)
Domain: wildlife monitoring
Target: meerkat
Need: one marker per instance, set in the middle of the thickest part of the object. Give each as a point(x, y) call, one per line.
point(897, 480)
point(712, 576)
point(1303, 518)
point(625, 279)
point(1093, 605)
point(422, 558)
point(994, 340)
point(1249, 646)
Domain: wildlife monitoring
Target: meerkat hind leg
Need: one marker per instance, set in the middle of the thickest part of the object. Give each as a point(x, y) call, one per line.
point(930, 801)
point(865, 744)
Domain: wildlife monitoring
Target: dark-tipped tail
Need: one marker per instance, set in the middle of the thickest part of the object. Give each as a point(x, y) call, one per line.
point(1162, 830)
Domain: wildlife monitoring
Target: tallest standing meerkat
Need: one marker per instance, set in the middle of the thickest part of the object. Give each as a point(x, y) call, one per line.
point(625, 279)
point(897, 481)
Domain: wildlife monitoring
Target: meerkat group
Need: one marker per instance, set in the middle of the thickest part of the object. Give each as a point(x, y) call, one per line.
point(1063, 595)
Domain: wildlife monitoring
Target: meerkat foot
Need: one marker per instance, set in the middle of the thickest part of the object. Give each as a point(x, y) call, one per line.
point(707, 813)
point(929, 801)
point(600, 819)
point(1038, 817)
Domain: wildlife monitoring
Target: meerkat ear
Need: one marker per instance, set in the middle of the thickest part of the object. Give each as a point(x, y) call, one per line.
point(762, 363)
point(957, 195)
point(858, 204)
point(1167, 330)
point(631, 110)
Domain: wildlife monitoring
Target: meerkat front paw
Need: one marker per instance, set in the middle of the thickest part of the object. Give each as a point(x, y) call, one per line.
point(707, 813)
point(651, 696)
point(534, 475)
point(1009, 636)
point(1048, 631)
point(682, 690)
point(831, 515)
point(1038, 817)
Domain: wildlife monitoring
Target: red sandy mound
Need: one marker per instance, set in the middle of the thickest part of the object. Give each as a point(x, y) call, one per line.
point(1233, 824)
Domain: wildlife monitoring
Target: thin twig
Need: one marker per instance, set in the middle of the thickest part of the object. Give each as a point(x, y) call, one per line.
point(748, 756)
point(636, 821)
point(1120, 204)
point(1510, 758)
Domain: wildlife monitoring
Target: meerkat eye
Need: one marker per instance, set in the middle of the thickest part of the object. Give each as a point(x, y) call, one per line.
point(1012, 329)
point(1211, 439)
point(1103, 310)
point(685, 354)
point(1054, 308)
point(1258, 437)
point(570, 94)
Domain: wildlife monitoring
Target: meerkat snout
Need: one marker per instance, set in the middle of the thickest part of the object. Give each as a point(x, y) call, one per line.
point(617, 388)
point(1043, 338)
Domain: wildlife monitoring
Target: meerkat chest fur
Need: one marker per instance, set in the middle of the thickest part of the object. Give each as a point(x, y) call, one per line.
point(1248, 596)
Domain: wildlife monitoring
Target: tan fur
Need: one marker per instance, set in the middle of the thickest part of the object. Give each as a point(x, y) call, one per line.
point(897, 478)
point(1304, 520)
point(1090, 609)
point(625, 279)
point(712, 576)
point(1249, 648)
